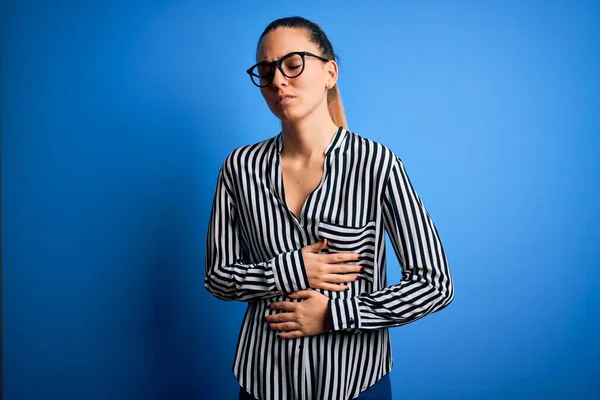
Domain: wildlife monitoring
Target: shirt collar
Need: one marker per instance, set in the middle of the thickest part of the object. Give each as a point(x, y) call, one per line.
point(337, 140)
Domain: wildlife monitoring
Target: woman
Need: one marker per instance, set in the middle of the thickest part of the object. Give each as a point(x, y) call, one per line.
point(297, 231)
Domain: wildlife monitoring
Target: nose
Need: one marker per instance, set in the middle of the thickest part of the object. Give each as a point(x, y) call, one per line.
point(278, 79)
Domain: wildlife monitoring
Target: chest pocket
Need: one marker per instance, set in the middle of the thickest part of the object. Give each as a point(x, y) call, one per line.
point(360, 240)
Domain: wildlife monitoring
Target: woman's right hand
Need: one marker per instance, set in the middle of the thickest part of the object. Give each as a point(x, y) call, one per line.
point(327, 271)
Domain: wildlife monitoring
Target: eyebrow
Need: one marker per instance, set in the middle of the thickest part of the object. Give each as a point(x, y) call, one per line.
point(289, 52)
point(268, 61)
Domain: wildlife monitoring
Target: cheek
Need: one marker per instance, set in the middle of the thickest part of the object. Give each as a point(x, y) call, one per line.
point(312, 89)
point(264, 93)
point(311, 82)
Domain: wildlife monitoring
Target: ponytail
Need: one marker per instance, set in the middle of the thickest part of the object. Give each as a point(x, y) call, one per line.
point(336, 109)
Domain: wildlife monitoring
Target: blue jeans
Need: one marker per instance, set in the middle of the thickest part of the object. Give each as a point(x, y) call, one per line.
point(381, 390)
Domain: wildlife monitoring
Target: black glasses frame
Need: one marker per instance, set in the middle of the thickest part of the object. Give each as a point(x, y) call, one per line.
point(277, 63)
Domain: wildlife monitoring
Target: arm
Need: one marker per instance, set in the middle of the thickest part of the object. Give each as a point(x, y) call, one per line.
point(229, 275)
point(426, 285)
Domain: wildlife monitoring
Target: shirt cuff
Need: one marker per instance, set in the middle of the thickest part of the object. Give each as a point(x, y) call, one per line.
point(289, 272)
point(343, 315)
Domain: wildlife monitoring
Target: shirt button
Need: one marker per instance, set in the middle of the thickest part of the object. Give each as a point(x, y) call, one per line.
point(351, 321)
point(301, 347)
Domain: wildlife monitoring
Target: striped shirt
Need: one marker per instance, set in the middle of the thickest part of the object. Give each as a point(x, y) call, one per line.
point(253, 254)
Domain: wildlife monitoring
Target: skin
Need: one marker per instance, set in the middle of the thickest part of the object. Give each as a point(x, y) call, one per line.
point(307, 130)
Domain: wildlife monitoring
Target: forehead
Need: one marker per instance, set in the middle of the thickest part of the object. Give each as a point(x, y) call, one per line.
point(282, 41)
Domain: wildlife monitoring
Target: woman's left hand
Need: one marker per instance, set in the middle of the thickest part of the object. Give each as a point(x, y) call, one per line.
point(305, 318)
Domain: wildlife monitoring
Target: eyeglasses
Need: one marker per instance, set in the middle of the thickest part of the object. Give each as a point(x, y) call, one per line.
point(291, 66)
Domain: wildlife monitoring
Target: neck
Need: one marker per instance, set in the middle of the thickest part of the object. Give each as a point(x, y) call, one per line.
point(309, 137)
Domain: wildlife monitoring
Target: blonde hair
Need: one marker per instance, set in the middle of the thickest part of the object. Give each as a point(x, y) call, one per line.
point(336, 109)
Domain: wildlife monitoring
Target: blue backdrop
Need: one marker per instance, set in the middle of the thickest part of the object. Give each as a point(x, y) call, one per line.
point(116, 117)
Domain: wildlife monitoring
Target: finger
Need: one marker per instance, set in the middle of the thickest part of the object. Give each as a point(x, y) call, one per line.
point(316, 247)
point(339, 278)
point(301, 294)
point(344, 268)
point(284, 305)
point(336, 258)
point(281, 317)
point(285, 326)
point(290, 335)
point(332, 287)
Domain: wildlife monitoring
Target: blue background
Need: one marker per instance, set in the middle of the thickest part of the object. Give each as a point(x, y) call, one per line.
point(116, 117)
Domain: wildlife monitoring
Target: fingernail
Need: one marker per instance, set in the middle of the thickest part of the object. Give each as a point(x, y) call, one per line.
point(362, 269)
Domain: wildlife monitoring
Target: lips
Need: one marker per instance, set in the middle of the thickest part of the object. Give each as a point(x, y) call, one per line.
point(284, 98)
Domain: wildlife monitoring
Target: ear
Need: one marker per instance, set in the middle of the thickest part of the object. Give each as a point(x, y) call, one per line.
point(331, 69)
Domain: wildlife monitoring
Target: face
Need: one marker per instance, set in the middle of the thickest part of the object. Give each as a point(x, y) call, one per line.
point(292, 99)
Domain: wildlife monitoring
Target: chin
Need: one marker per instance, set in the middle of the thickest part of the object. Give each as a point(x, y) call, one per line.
point(288, 116)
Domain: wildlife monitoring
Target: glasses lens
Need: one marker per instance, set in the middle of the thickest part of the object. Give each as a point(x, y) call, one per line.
point(292, 65)
point(261, 74)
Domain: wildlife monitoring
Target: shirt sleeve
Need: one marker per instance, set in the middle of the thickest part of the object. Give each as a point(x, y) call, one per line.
point(229, 274)
point(426, 285)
